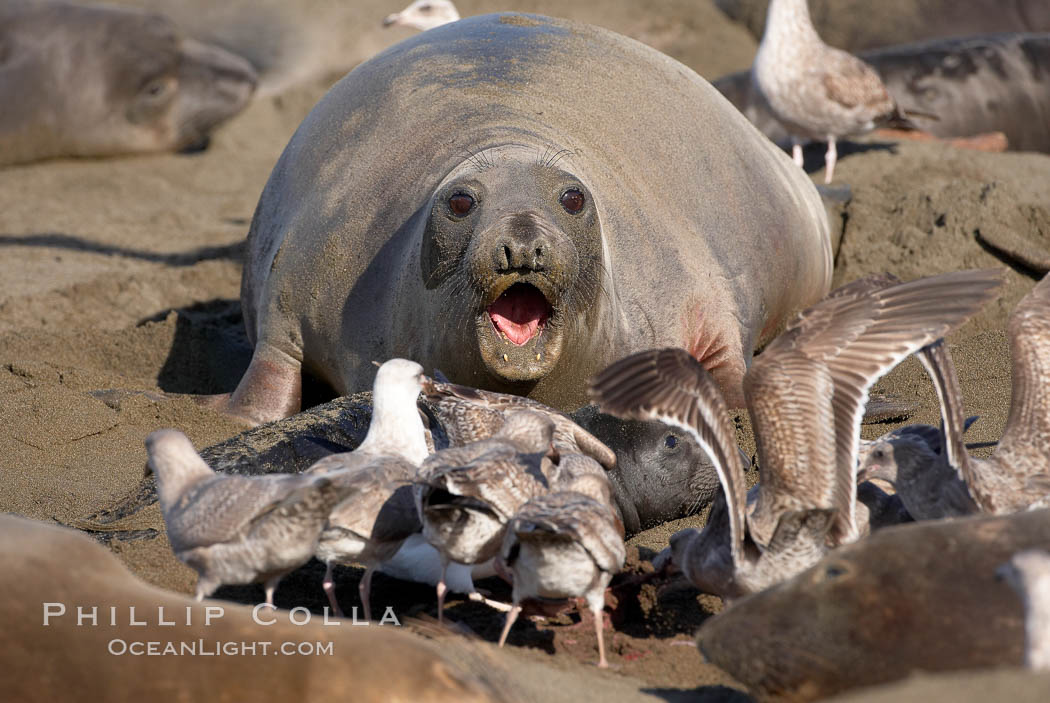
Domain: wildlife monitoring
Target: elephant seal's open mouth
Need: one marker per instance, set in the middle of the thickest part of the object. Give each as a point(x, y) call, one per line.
point(520, 313)
point(518, 334)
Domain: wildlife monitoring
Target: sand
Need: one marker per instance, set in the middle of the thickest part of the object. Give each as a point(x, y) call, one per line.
point(119, 285)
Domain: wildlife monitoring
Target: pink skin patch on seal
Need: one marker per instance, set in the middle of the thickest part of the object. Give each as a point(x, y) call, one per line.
point(520, 313)
point(717, 355)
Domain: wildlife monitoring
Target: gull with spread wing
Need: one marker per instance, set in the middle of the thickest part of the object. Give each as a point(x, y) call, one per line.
point(805, 394)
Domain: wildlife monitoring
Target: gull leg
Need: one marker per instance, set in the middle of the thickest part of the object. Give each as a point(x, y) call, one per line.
point(602, 662)
point(204, 588)
point(512, 615)
point(596, 601)
point(271, 586)
point(494, 604)
point(365, 589)
point(796, 151)
point(441, 590)
point(829, 159)
point(329, 589)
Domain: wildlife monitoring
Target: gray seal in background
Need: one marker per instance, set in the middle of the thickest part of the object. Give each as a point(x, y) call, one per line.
point(974, 85)
point(102, 81)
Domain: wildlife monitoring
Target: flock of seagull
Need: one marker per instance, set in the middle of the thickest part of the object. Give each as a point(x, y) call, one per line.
point(518, 489)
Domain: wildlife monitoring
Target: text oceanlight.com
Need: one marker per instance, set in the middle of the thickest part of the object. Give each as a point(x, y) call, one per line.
point(208, 648)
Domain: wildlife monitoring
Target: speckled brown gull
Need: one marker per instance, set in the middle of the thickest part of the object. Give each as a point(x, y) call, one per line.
point(563, 545)
point(423, 15)
point(1028, 573)
point(1017, 474)
point(806, 394)
point(816, 91)
point(470, 414)
point(371, 524)
point(466, 495)
point(236, 529)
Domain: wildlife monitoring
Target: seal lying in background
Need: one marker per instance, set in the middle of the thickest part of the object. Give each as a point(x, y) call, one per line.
point(661, 473)
point(974, 85)
point(856, 25)
point(100, 81)
point(52, 576)
point(459, 200)
point(923, 596)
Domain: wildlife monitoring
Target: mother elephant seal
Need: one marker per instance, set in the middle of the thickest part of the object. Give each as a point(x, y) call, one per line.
point(520, 201)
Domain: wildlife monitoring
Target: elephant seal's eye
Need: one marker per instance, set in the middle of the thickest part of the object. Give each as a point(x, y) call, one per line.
point(671, 441)
point(460, 204)
point(572, 200)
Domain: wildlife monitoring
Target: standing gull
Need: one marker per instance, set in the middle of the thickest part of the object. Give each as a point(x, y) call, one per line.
point(1028, 573)
point(236, 529)
point(806, 394)
point(1017, 474)
point(366, 526)
point(378, 513)
point(466, 495)
point(563, 545)
point(817, 92)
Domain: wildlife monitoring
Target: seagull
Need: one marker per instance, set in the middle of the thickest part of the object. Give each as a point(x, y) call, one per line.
point(423, 15)
point(817, 92)
point(378, 518)
point(918, 461)
point(236, 529)
point(470, 414)
point(563, 545)
point(371, 524)
point(805, 394)
point(1017, 475)
point(466, 495)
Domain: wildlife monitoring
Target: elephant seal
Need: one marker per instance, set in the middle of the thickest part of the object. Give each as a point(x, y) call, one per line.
point(974, 85)
point(79, 627)
point(519, 201)
point(918, 597)
point(661, 473)
point(100, 81)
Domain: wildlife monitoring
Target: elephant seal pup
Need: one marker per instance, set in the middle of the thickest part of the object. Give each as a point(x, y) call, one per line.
point(914, 597)
point(74, 619)
point(661, 473)
point(519, 201)
point(974, 85)
point(101, 81)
